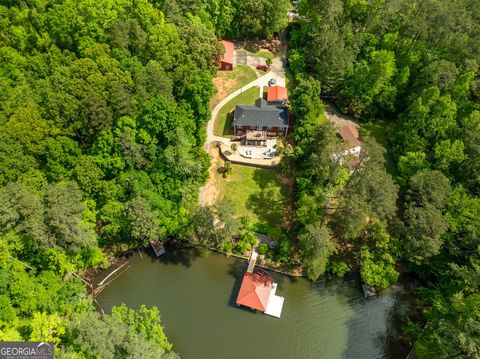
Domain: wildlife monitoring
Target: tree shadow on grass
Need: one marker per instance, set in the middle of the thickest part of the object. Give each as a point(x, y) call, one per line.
point(270, 204)
point(227, 128)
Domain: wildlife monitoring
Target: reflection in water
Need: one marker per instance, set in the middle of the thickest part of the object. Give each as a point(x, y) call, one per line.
point(196, 298)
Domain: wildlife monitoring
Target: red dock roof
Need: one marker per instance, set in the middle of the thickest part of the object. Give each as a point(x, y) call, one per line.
point(277, 93)
point(255, 291)
point(228, 55)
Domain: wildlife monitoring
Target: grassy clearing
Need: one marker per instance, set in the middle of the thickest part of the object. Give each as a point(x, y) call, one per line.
point(223, 122)
point(228, 81)
point(265, 54)
point(256, 194)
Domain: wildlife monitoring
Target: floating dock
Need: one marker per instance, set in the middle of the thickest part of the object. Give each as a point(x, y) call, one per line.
point(275, 303)
point(157, 247)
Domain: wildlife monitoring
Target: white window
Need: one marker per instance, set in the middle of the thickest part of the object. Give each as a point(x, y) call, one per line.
point(269, 127)
point(259, 127)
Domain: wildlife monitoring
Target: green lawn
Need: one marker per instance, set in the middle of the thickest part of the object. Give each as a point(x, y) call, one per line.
point(265, 54)
point(256, 193)
point(228, 81)
point(223, 122)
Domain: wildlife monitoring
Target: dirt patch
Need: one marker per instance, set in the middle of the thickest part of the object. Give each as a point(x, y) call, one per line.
point(339, 119)
point(223, 87)
point(288, 181)
point(270, 44)
point(209, 193)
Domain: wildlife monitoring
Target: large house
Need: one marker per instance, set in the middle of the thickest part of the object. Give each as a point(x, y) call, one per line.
point(226, 63)
point(255, 124)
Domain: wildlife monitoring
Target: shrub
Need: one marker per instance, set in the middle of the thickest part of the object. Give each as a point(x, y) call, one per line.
point(339, 269)
point(283, 249)
point(228, 246)
point(263, 248)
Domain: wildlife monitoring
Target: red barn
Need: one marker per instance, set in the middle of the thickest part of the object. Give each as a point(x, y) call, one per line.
point(227, 59)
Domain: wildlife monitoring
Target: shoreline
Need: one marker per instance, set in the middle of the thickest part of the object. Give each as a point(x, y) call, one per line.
point(121, 259)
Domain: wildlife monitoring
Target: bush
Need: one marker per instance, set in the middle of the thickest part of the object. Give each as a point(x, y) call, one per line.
point(268, 230)
point(283, 250)
point(263, 248)
point(339, 269)
point(227, 167)
point(246, 241)
point(228, 247)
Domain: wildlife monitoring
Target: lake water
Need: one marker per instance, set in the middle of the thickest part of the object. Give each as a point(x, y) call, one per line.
point(196, 298)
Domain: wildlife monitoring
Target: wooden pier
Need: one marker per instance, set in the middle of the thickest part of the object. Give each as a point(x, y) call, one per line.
point(252, 261)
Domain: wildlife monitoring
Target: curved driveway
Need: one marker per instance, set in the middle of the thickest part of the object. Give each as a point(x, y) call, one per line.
point(276, 73)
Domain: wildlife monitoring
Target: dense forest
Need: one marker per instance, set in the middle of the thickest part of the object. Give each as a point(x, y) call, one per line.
point(408, 71)
point(102, 109)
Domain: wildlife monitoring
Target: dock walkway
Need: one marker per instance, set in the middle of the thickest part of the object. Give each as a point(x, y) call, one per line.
point(252, 261)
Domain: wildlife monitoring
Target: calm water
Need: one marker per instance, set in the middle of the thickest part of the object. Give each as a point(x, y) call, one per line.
point(196, 298)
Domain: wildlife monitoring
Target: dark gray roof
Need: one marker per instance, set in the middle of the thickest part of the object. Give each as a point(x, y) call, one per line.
point(261, 114)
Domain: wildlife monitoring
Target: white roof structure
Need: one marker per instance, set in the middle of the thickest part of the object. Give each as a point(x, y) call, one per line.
point(275, 303)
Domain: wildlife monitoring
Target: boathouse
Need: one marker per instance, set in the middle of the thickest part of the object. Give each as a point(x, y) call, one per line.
point(258, 291)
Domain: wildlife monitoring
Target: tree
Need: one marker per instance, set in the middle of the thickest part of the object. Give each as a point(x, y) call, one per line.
point(109, 337)
point(64, 217)
point(227, 168)
point(258, 19)
point(307, 106)
point(369, 193)
point(317, 247)
point(143, 222)
point(425, 223)
point(229, 224)
point(143, 321)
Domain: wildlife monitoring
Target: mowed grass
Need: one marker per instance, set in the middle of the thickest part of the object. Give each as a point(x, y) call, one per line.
point(265, 54)
point(228, 81)
point(256, 193)
point(223, 122)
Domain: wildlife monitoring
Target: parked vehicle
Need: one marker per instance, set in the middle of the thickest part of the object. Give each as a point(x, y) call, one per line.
point(263, 67)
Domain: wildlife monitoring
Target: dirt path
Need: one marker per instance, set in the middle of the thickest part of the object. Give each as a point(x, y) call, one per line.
point(209, 193)
point(337, 118)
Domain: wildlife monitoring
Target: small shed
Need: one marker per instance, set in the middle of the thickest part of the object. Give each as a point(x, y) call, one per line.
point(350, 135)
point(277, 94)
point(226, 63)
